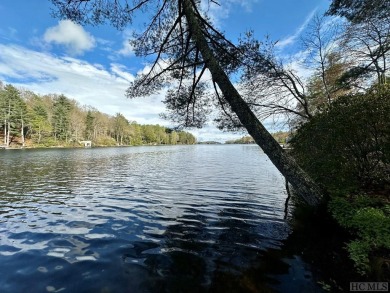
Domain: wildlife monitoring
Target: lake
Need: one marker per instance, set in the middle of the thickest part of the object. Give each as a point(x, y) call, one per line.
point(144, 219)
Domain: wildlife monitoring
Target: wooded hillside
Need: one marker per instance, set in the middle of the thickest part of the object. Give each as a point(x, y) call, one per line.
point(29, 119)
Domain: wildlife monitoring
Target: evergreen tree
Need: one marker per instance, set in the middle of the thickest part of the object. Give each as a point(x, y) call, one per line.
point(89, 125)
point(14, 114)
point(121, 125)
point(40, 124)
point(22, 118)
point(61, 118)
point(360, 10)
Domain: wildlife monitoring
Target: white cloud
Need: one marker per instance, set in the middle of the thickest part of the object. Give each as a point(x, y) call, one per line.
point(296, 63)
point(127, 49)
point(104, 45)
point(220, 12)
point(121, 71)
point(9, 33)
point(246, 4)
point(70, 35)
point(291, 39)
point(89, 84)
point(210, 132)
point(286, 41)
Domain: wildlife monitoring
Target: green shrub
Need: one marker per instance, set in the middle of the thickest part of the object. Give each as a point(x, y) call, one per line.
point(358, 251)
point(369, 221)
point(105, 141)
point(347, 147)
point(48, 142)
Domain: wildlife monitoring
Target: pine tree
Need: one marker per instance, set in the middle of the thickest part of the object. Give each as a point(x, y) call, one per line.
point(60, 119)
point(89, 125)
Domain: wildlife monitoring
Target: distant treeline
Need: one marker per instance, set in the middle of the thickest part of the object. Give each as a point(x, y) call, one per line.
point(30, 119)
point(280, 137)
point(242, 140)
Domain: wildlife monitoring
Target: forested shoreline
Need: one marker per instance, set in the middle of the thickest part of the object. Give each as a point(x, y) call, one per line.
point(281, 137)
point(31, 120)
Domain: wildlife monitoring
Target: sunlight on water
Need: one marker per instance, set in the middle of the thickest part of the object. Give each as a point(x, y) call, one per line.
point(140, 219)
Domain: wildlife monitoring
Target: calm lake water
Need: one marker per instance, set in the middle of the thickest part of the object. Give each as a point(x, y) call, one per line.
point(143, 219)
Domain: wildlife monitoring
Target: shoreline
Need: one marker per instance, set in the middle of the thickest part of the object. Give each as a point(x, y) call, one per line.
point(82, 147)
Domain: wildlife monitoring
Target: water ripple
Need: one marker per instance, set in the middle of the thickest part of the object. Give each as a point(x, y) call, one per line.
point(145, 219)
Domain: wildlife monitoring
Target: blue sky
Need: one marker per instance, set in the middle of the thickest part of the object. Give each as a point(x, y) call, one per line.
point(94, 65)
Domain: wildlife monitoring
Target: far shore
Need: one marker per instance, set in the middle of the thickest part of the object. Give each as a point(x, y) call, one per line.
point(81, 147)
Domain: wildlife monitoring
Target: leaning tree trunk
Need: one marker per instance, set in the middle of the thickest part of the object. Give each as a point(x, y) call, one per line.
point(302, 183)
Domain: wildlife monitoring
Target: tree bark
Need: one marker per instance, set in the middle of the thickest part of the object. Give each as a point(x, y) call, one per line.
point(39, 134)
point(302, 183)
point(5, 132)
point(8, 134)
point(8, 126)
point(22, 132)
